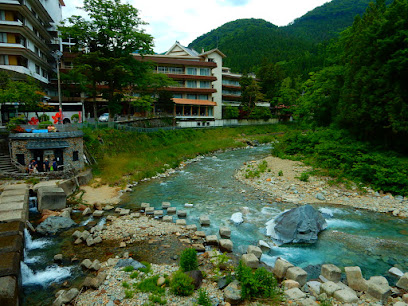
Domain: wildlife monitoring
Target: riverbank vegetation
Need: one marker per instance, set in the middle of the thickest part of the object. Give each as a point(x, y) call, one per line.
point(335, 153)
point(130, 156)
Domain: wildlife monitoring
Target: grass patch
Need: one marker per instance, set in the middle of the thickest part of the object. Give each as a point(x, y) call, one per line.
point(147, 265)
point(256, 172)
point(130, 156)
point(150, 285)
point(128, 269)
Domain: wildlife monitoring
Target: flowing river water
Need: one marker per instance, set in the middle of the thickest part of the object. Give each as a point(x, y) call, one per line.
point(373, 241)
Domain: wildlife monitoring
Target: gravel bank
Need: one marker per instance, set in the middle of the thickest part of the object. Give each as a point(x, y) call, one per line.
point(289, 188)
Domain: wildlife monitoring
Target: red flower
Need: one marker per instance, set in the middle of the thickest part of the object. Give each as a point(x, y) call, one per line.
point(56, 117)
point(33, 121)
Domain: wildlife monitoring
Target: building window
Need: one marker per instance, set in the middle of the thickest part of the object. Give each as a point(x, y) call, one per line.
point(20, 159)
point(192, 71)
point(192, 84)
point(75, 156)
point(3, 60)
point(204, 71)
point(3, 37)
point(205, 84)
point(192, 97)
point(202, 97)
point(177, 95)
point(211, 60)
point(37, 69)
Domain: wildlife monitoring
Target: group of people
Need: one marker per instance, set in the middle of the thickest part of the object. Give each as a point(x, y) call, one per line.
point(47, 166)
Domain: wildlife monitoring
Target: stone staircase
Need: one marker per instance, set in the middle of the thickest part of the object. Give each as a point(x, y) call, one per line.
point(6, 166)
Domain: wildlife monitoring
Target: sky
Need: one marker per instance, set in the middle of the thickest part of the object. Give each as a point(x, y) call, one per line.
point(185, 20)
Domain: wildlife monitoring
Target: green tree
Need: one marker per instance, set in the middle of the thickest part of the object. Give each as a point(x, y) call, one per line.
point(250, 92)
point(271, 76)
point(113, 31)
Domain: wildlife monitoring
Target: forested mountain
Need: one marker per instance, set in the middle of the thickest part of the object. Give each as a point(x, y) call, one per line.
point(247, 42)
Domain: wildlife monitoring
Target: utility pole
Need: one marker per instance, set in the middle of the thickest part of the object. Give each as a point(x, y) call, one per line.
point(58, 55)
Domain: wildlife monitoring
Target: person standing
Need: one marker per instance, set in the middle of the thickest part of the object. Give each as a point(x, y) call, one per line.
point(54, 165)
point(46, 165)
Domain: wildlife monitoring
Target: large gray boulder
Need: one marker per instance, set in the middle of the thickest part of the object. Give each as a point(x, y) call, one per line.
point(51, 197)
point(53, 224)
point(298, 225)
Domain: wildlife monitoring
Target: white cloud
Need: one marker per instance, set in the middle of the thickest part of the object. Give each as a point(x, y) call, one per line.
point(185, 20)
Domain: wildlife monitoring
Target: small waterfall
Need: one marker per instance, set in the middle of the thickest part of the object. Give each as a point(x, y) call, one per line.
point(85, 222)
point(31, 244)
point(51, 274)
point(102, 222)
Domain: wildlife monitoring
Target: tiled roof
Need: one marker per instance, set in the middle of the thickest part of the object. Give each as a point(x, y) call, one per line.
point(56, 135)
point(43, 145)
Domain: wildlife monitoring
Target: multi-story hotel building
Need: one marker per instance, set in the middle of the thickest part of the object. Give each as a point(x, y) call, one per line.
point(28, 35)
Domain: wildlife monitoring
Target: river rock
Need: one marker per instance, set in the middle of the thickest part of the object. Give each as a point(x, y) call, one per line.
point(168, 219)
point(329, 288)
point(298, 225)
point(232, 294)
point(396, 272)
point(65, 297)
point(226, 245)
point(204, 221)
point(84, 235)
point(200, 234)
point(345, 296)
point(314, 288)
point(225, 232)
point(289, 284)
point(124, 212)
point(98, 213)
point(53, 224)
point(87, 211)
point(403, 282)
point(264, 246)
point(197, 276)
point(237, 218)
point(331, 272)
point(250, 260)
point(211, 240)
point(144, 205)
point(297, 274)
point(86, 263)
point(149, 210)
point(77, 234)
point(94, 282)
point(355, 278)
point(295, 294)
point(158, 213)
point(281, 266)
point(379, 288)
point(181, 222)
point(58, 258)
point(254, 250)
point(320, 197)
point(96, 265)
point(129, 262)
point(199, 247)
point(191, 227)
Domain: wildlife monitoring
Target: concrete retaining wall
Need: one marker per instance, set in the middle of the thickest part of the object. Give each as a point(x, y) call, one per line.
point(13, 215)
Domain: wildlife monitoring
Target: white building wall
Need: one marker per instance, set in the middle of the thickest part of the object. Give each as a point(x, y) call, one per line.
point(217, 72)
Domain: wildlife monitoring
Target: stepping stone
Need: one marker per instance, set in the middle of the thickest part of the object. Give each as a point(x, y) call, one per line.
point(250, 260)
point(204, 221)
point(98, 213)
point(171, 210)
point(192, 227)
point(168, 219)
point(297, 274)
point(144, 205)
point(158, 213)
point(166, 205)
point(182, 213)
point(181, 222)
point(149, 210)
point(226, 245)
point(200, 234)
point(331, 272)
point(212, 240)
point(254, 250)
point(281, 266)
point(225, 232)
point(199, 247)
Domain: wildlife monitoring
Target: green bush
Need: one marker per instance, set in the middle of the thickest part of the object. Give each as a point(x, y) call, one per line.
point(44, 117)
point(157, 300)
point(128, 269)
point(261, 284)
point(230, 112)
point(280, 173)
point(203, 298)
point(125, 285)
point(75, 118)
point(338, 155)
point(135, 274)
point(44, 124)
point(147, 265)
point(150, 285)
point(129, 294)
point(188, 260)
point(181, 284)
point(304, 177)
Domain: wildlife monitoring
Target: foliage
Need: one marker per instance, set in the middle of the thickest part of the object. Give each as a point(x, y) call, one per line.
point(45, 124)
point(252, 173)
point(304, 177)
point(134, 274)
point(44, 117)
point(129, 294)
point(125, 285)
point(75, 118)
point(260, 112)
point(147, 265)
point(344, 157)
point(203, 298)
point(188, 260)
point(258, 284)
point(150, 285)
point(250, 92)
point(181, 284)
point(128, 269)
point(128, 156)
point(157, 300)
point(109, 36)
point(15, 122)
point(230, 112)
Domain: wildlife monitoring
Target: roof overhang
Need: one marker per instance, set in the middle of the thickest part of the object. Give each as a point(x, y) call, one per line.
point(44, 145)
point(194, 102)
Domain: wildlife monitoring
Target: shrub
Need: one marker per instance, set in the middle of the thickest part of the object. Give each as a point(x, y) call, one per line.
point(304, 177)
point(128, 269)
point(44, 117)
point(188, 260)
point(181, 284)
point(129, 294)
point(280, 173)
point(125, 285)
point(203, 298)
point(134, 275)
point(75, 118)
point(261, 284)
point(147, 265)
point(44, 124)
point(157, 299)
point(150, 285)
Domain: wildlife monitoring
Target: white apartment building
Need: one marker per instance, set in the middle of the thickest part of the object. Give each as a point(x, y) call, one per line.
point(28, 36)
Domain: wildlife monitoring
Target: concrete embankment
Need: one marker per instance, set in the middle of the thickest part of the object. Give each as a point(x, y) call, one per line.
point(13, 215)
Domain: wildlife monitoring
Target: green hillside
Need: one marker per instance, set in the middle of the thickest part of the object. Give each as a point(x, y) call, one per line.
point(247, 42)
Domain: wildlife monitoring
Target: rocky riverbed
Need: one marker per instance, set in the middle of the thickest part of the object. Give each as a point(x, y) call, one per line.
point(281, 180)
